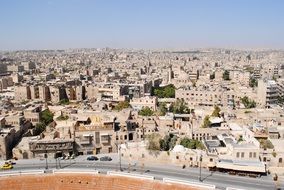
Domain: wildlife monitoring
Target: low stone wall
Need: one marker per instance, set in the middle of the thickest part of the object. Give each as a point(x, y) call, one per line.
point(83, 181)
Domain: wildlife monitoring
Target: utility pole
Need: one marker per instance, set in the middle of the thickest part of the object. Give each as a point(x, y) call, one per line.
point(200, 161)
point(45, 156)
point(56, 163)
point(119, 154)
point(59, 163)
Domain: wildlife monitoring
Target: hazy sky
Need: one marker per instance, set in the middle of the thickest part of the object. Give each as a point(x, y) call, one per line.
point(58, 24)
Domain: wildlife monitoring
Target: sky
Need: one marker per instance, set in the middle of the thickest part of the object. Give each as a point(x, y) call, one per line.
point(151, 24)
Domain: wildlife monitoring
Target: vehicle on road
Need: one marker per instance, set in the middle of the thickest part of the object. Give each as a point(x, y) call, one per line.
point(92, 158)
point(105, 158)
point(10, 162)
point(6, 167)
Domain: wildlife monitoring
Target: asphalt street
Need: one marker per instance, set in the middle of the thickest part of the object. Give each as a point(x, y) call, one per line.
point(159, 171)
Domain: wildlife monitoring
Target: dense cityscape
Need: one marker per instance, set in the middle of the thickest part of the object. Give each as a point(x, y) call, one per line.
point(220, 109)
point(141, 95)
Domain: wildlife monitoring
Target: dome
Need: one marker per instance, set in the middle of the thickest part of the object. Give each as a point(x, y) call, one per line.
point(179, 148)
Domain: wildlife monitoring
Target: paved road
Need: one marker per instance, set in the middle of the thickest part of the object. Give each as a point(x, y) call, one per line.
point(221, 180)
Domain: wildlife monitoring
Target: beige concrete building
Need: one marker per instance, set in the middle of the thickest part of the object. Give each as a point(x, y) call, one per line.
point(22, 93)
point(206, 96)
point(147, 101)
point(57, 93)
point(267, 93)
point(33, 114)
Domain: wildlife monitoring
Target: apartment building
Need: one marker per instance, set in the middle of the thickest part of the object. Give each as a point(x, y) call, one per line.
point(57, 93)
point(147, 101)
point(94, 133)
point(6, 82)
point(28, 65)
point(33, 114)
point(15, 68)
point(22, 93)
point(3, 68)
point(267, 93)
point(206, 96)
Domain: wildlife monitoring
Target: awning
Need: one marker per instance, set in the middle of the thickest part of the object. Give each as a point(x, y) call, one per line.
point(256, 166)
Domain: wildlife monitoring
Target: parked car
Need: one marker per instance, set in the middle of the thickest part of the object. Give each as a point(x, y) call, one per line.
point(105, 158)
point(92, 158)
point(6, 167)
point(10, 162)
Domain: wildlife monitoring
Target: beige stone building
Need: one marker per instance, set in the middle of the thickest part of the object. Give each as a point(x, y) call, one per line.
point(22, 93)
point(143, 102)
point(267, 93)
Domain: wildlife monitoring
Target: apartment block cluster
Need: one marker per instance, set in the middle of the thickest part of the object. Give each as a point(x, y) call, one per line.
point(83, 89)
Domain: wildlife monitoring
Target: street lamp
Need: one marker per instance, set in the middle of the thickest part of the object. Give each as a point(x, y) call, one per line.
point(45, 156)
point(200, 161)
point(119, 154)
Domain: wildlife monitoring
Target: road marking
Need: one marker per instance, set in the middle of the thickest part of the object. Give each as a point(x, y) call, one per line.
point(130, 175)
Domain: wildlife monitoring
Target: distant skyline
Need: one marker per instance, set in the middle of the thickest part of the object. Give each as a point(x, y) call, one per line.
point(151, 24)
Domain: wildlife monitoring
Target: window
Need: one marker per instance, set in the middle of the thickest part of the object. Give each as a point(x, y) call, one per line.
point(250, 154)
point(254, 154)
point(211, 159)
point(105, 138)
point(280, 160)
point(97, 136)
point(243, 155)
point(238, 154)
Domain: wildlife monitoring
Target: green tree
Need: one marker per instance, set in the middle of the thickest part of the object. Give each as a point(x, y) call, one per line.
point(226, 75)
point(179, 107)
point(206, 122)
point(164, 92)
point(162, 109)
point(62, 118)
point(146, 112)
point(39, 128)
point(168, 142)
point(266, 144)
point(248, 103)
point(216, 112)
point(46, 117)
point(173, 142)
point(122, 105)
point(253, 82)
point(64, 102)
point(274, 77)
point(163, 145)
point(191, 143)
point(153, 141)
point(280, 99)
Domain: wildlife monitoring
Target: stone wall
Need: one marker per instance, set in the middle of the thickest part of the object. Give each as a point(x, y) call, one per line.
point(83, 181)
